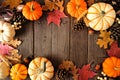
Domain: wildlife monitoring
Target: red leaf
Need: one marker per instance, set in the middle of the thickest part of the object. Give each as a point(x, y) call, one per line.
point(5, 49)
point(85, 73)
point(114, 50)
point(55, 17)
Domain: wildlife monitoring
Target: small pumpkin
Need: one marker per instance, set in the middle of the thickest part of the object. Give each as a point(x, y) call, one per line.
point(40, 69)
point(7, 32)
point(101, 16)
point(32, 10)
point(111, 66)
point(4, 70)
point(18, 72)
point(76, 7)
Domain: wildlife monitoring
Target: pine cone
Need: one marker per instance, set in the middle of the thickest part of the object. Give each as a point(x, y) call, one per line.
point(62, 74)
point(18, 20)
point(79, 25)
point(115, 31)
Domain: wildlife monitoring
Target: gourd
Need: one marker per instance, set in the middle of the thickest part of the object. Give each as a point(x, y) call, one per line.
point(4, 70)
point(18, 72)
point(76, 7)
point(7, 32)
point(111, 66)
point(32, 10)
point(101, 16)
point(40, 69)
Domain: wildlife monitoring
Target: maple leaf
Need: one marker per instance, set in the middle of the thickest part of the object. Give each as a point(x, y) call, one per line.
point(104, 39)
point(85, 73)
point(12, 3)
point(114, 50)
point(53, 5)
point(5, 49)
point(55, 17)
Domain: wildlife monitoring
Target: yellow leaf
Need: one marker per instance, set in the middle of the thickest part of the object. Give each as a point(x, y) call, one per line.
point(12, 3)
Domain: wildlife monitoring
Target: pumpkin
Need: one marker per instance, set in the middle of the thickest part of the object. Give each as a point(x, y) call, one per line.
point(101, 16)
point(18, 72)
point(7, 32)
point(32, 10)
point(40, 69)
point(111, 66)
point(76, 7)
point(4, 70)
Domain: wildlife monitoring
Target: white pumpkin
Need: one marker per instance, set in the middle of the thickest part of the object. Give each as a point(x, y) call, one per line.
point(40, 69)
point(101, 16)
point(4, 70)
point(7, 32)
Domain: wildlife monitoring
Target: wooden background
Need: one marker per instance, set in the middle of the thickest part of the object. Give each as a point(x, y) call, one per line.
point(59, 43)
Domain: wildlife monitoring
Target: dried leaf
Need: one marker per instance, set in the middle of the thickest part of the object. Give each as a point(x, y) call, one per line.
point(5, 49)
point(12, 3)
point(69, 66)
point(55, 17)
point(104, 39)
point(14, 43)
point(85, 73)
point(53, 5)
point(114, 50)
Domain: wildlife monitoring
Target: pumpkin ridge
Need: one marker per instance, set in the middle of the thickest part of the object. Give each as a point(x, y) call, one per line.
point(96, 24)
point(107, 22)
point(110, 17)
point(95, 8)
point(46, 77)
point(99, 4)
point(102, 24)
point(109, 11)
point(105, 7)
point(35, 63)
point(94, 18)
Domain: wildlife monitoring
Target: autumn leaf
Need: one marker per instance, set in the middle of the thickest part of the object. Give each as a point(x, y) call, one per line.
point(53, 5)
point(5, 49)
point(55, 17)
point(12, 3)
point(85, 73)
point(104, 39)
point(13, 43)
point(114, 50)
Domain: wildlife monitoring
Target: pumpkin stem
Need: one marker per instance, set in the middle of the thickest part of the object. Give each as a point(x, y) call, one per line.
point(1, 31)
point(77, 7)
point(43, 68)
point(102, 13)
point(32, 7)
point(116, 68)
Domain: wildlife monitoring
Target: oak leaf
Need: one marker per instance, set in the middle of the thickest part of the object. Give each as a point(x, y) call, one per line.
point(85, 73)
point(104, 39)
point(12, 3)
point(55, 17)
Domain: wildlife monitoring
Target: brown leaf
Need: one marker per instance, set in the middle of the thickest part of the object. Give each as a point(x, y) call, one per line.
point(53, 5)
point(12, 3)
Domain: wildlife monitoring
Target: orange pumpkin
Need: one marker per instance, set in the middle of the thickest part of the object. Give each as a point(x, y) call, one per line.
point(18, 72)
point(32, 10)
point(76, 7)
point(111, 67)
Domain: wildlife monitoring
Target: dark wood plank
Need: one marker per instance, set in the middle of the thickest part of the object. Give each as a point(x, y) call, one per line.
point(26, 35)
point(95, 53)
point(60, 40)
point(78, 46)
